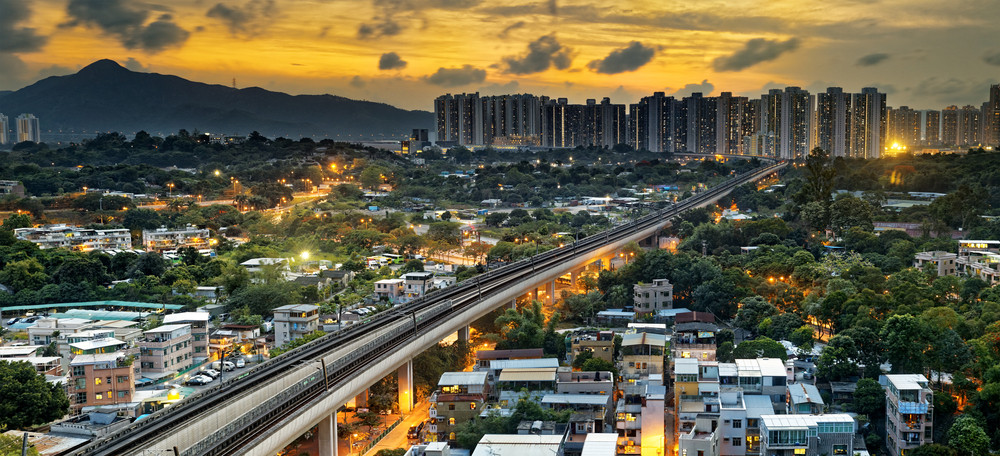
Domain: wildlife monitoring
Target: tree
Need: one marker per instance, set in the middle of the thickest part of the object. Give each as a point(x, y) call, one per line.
point(869, 398)
point(26, 399)
point(802, 336)
point(903, 339)
point(870, 353)
point(932, 449)
point(26, 274)
point(599, 365)
point(968, 438)
point(849, 212)
point(148, 264)
point(761, 347)
point(10, 445)
point(837, 359)
point(412, 266)
point(753, 311)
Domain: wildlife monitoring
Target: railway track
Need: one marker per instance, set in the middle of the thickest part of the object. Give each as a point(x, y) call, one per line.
point(308, 378)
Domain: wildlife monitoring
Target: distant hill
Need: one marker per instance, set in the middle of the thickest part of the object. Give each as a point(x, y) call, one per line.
point(104, 96)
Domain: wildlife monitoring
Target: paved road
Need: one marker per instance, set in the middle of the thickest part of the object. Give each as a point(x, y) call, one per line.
point(397, 438)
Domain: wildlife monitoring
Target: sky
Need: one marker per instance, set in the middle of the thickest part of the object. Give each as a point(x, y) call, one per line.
point(925, 54)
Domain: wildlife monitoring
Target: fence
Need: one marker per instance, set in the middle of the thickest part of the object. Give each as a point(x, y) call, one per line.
point(381, 435)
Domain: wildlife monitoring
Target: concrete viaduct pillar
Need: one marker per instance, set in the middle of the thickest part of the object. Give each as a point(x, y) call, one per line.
point(463, 334)
point(328, 435)
point(405, 376)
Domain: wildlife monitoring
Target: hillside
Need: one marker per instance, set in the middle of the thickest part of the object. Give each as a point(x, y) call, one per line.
point(104, 96)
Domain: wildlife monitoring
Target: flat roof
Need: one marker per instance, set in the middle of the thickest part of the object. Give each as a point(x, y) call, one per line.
point(600, 444)
point(518, 445)
point(658, 340)
point(531, 374)
point(462, 378)
point(49, 444)
point(728, 370)
point(187, 316)
point(802, 393)
point(106, 315)
point(615, 313)
point(774, 422)
point(502, 364)
point(768, 367)
point(138, 305)
point(588, 399)
point(906, 382)
point(757, 405)
point(522, 353)
point(97, 343)
point(19, 351)
point(79, 360)
point(297, 307)
point(686, 366)
point(166, 329)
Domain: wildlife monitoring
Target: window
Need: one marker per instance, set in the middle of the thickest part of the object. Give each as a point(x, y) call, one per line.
point(737, 441)
point(97, 381)
point(122, 379)
point(737, 424)
point(99, 396)
point(79, 371)
point(451, 436)
point(451, 421)
point(81, 383)
point(472, 405)
point(122, 394)
point(800, 451)
point(451, 406)
point(81, 398)
point(840, 449)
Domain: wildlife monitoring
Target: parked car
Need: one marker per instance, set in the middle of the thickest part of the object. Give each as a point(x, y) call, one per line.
point(198, 380)
point(228, 366)
point(211, 373)
point(12, 321)
point(240, 363)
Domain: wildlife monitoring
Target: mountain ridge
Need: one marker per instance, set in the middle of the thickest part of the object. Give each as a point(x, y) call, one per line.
point(104, 96)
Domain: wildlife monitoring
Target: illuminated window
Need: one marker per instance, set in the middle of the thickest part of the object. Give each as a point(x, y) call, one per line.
point(800, 451)
point(451, 436)
point(451, 421)
point(97, 381)
point(472, 405)
point(99, 396)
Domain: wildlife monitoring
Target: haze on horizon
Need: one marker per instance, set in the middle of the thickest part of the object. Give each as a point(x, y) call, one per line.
point(923, 53)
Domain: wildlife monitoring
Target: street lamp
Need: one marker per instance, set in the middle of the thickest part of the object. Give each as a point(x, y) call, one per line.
point(170, 189)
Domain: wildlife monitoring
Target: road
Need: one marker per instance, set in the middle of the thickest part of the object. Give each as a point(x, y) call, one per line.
point(397, 438)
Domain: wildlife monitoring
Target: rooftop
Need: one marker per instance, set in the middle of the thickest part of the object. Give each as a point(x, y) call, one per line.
point(801, 393)
point(166, 329)
point(502, 364)
point(97, 343)
point(586, 399)
point(767, 367)
point(518, 445)
point(187, 316)
point(298, 308)
point(658, 340)
point(907, 381)
point(686, 366)
point(509, 354)
point(774, 422)
point(532, 374)
point(462, 378)
point(80, 360)
point(600, 444)
point(757, 405)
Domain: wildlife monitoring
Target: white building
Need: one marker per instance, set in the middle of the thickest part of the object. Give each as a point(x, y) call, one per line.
point(162, 239)
point(294, 321)
point(909, 412)
point(76, 238)
point(4, 127)
point(654, 297)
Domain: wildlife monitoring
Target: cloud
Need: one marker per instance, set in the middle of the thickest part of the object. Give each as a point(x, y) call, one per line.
point(757, 50)
point(952, 90)
point(127, 22)
point(12, 71)
point(872, 59)
point(454, 77)
point(12, 37)
point(248, 20)
point(628, 58)
point(992, 59)
point(542, 53)
point(705, 88)
point(511, 28)
point(385, 27)
point(553, 7)
point(391, 61)
point(356, 81)
point(501, 89)
point(55, 70)
point(134, 65)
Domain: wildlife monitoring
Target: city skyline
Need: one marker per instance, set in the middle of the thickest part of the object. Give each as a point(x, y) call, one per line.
point(923, 54)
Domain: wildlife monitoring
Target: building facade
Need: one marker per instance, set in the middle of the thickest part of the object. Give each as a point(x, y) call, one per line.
point(652, 298)
point(294, 321)
point(28, 129)
point(163, 239)
point(101, 379)
point(76, 238)
point(909, 412)
point(165, 349)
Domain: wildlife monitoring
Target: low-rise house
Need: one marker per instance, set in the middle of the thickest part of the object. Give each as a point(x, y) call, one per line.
point(101, 379)
point(650, 299)
point(199, 322)
point(601, 344)
point(294, 321)
point(76, 238)
point(460, 397)
point(909, 412)
point(807, 434)
point(389, 289)
point(804, 399)
point(163, 239)
point(166, 349)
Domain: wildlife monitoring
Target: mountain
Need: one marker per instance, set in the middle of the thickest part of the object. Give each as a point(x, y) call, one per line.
point(104, 96)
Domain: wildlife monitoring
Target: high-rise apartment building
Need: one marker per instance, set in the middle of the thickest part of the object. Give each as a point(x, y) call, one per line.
point(732, 116)
point(4, 127)
point(969, 126)
point(904, 127)
point(992, 117)
point(458, 118)
point(701, 123)
point(661, 124)
point(833, 122)
point(508, 120)
point(786, 122)
point(949, 125)
point(27, 128)
point(932, 127)
point(868, 123)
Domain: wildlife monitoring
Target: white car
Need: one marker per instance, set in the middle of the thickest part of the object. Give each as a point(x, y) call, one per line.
point(241, 363)
point(228, 366)
point(211, 373)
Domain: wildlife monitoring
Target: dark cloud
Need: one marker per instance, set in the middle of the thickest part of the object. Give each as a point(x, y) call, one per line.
point(757, 50)
point(12, 72)
point(872, 59)
point(952, 91)
point(992, 59)
point(12, 37)
point(704, 88)
point(357, 82)
point(55, 70)
point(501, 89)
point(511, 28)
point(134, 65)
point(127, 22)
point(247, 20)
point(629, 58)
point(542, 53)
point(453, 77)
point(385, 27)
point(553, 7)
point(391, 61)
